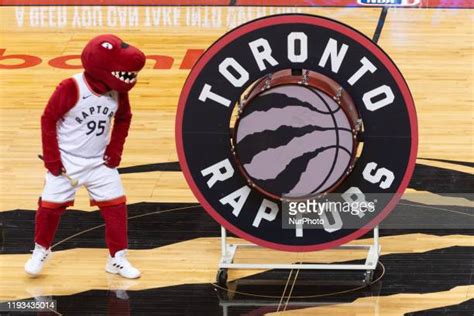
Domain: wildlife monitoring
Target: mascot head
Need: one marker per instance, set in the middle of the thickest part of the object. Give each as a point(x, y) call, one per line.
point(111, 61)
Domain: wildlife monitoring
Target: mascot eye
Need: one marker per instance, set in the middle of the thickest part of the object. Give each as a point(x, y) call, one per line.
point(107, 45)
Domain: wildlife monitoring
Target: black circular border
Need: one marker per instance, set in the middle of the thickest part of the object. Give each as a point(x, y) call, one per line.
point(335, 27)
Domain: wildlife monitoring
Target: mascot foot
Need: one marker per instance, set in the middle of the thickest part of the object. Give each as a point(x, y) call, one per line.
point(120, 265)
point(35, 264)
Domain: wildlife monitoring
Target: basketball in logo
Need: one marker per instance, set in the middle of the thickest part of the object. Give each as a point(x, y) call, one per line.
point(290, 110)
point(296, 137)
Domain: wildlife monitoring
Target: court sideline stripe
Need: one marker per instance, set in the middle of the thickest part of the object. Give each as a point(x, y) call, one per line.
point(284, 290)
point(380, 24)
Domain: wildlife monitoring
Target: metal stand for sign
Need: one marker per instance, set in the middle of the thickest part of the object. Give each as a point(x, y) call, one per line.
point(228, 252)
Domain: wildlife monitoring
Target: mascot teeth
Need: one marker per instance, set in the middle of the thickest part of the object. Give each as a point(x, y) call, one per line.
point(125, 76)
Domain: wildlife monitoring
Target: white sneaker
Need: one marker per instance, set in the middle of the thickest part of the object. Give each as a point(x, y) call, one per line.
point(35, 264)
point(120, 265)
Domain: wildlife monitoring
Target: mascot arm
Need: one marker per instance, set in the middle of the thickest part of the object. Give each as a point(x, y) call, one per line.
point(123, 117)
point(63, 99)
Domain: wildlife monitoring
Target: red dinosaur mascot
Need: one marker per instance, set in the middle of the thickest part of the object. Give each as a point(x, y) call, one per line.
point(78, 144)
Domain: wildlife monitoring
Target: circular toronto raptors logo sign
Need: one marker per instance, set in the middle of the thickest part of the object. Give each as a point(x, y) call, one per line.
point(296, 132)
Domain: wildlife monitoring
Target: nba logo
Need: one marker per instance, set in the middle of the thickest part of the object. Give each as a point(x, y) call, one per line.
point(400, 3)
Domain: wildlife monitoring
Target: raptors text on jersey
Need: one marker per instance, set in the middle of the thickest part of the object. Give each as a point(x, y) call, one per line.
point(84, 130)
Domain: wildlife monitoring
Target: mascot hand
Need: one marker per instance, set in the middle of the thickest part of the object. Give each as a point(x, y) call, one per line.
point(55, 167)
point(111, 159)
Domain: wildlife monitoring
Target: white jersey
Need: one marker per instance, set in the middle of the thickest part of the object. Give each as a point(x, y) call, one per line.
point(84, 131)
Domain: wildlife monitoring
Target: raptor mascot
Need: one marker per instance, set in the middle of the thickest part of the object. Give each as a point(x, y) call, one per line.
point(80, 150)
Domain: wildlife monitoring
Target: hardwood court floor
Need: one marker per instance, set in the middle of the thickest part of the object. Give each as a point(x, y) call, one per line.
point(434, 55)
point(178, 251)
